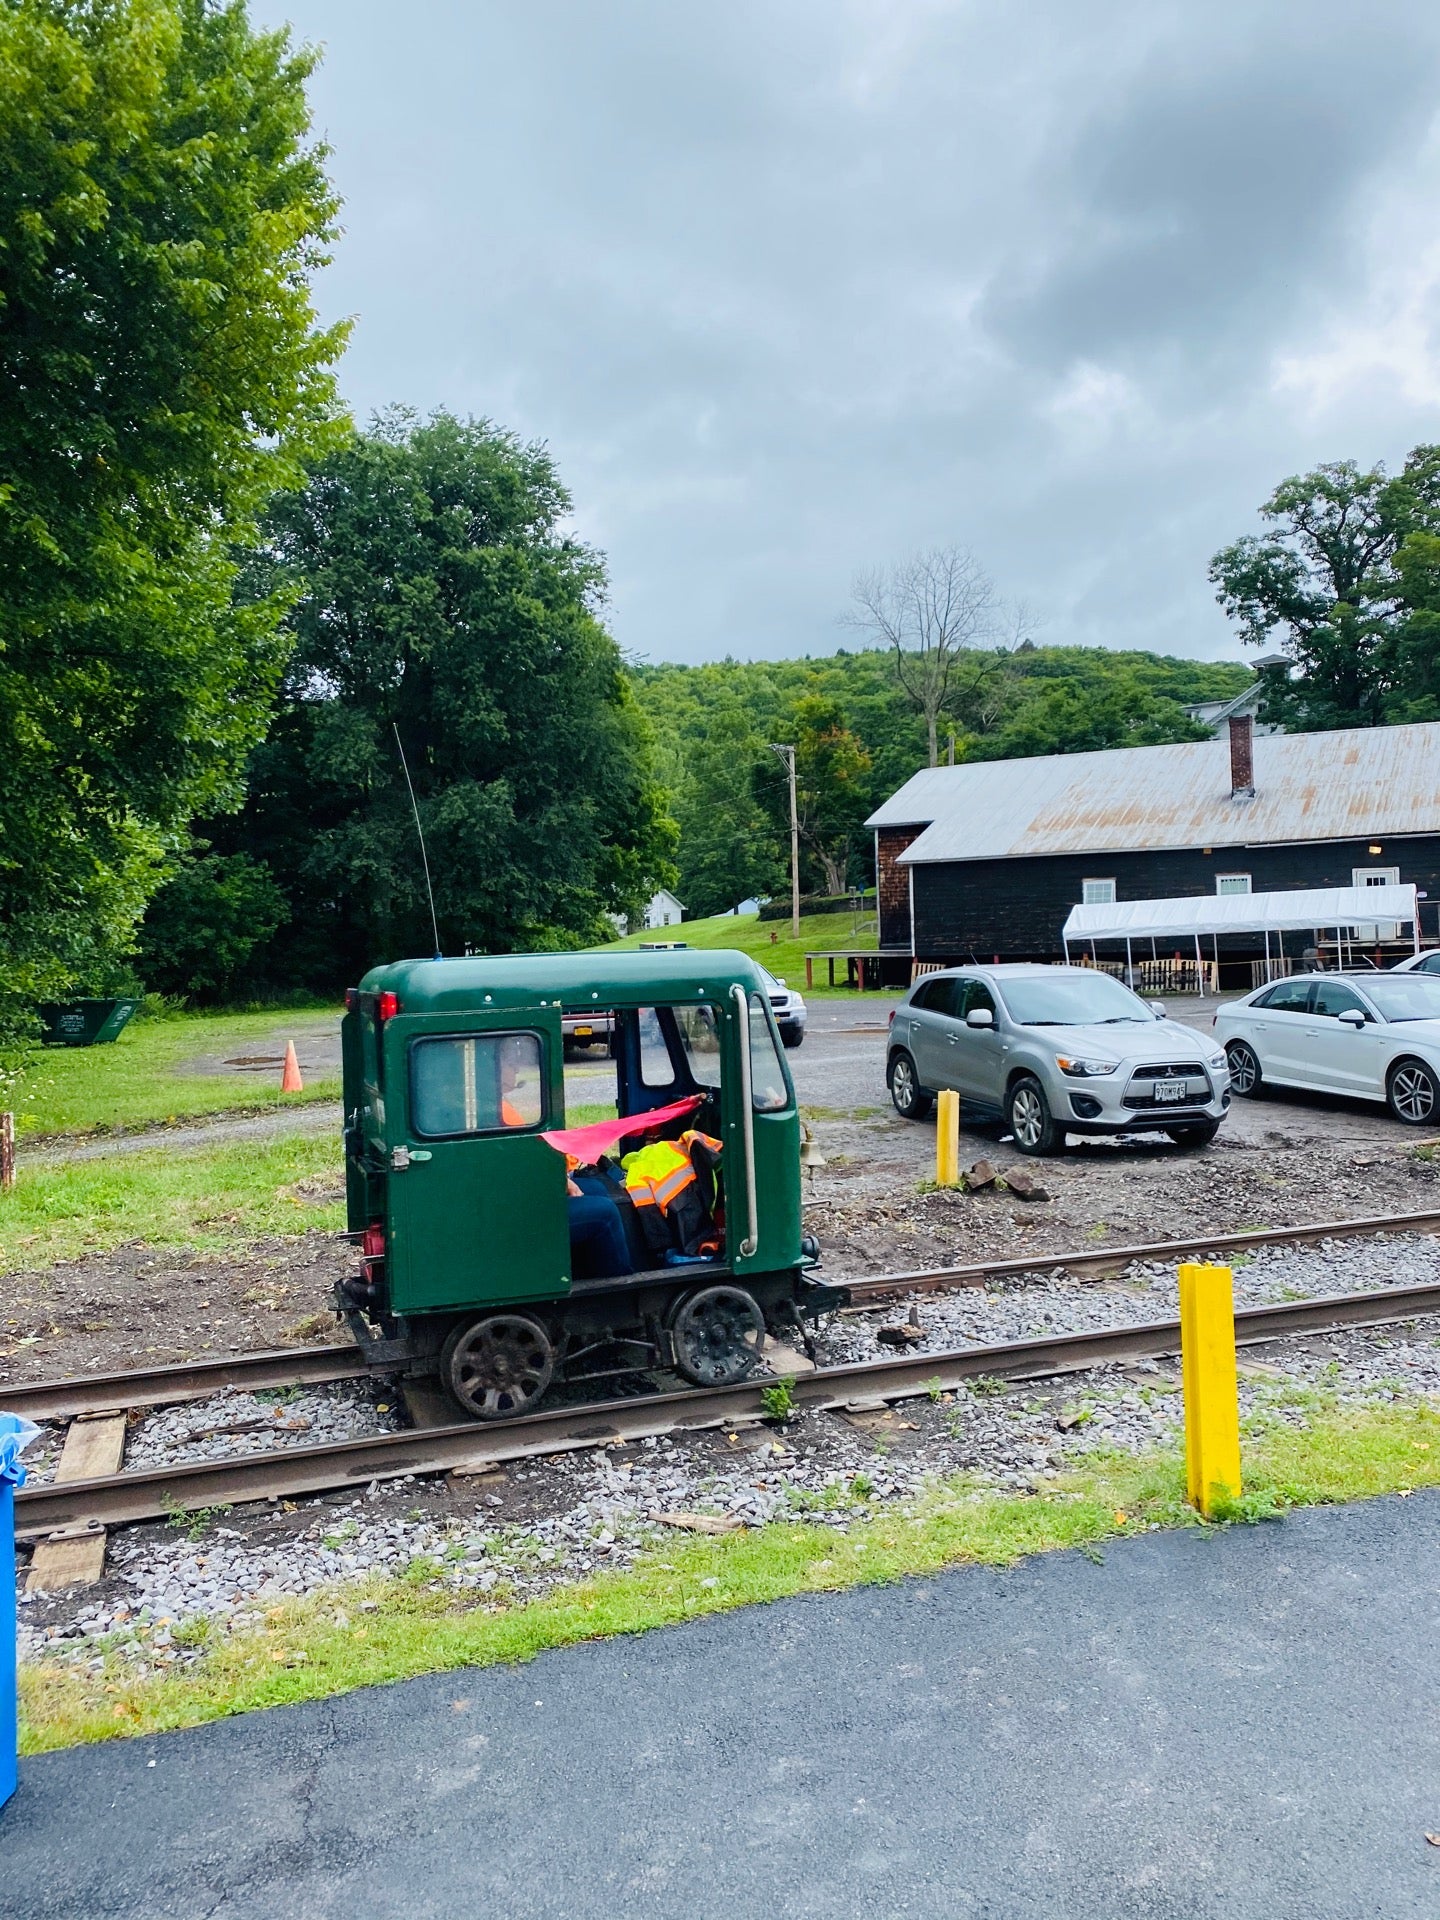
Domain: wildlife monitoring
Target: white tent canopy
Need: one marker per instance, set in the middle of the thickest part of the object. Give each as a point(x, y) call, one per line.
point(1298, 908)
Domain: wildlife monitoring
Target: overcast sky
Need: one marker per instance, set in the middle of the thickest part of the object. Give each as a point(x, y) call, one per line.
point(795, 288)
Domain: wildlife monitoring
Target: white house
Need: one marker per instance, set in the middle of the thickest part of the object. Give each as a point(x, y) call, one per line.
point(662, 910)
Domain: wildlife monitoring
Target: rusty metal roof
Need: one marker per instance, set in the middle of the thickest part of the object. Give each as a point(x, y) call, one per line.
point(1369, 782)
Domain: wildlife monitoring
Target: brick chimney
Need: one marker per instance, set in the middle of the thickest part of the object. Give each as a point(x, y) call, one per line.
point(1242, 756)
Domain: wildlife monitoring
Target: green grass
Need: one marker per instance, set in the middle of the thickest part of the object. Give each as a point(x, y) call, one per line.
point(210, 1198)
point(305, 1652)
point(134, 1083)
point(819, 932)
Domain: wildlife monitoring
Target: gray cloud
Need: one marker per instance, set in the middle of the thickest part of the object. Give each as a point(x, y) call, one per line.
point(790, 290)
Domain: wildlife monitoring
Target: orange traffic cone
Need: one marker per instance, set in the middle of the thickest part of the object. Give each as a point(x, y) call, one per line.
point(290, 1081)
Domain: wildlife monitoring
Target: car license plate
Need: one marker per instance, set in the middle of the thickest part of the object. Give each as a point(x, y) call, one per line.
point(1170, 1090)
point(583, 1033)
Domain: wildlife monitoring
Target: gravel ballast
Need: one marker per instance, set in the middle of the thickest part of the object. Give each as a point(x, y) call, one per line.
point(513, 1534)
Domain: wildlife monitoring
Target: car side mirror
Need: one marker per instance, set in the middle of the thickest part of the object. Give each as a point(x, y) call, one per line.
point(980, 1017)
point(1159, 1013)
point(1352, 1017)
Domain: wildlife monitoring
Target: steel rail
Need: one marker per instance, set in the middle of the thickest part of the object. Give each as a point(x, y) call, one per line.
point(1100, 1260)
point(118, 1499)
point(314, 1366)
point(189, 1380)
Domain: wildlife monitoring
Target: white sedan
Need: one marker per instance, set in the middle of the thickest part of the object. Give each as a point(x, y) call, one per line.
point(1375, 1036)
point(1427, 962)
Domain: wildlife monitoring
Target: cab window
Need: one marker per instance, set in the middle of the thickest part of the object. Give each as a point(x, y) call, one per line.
point(768, 1091)
point(977, 994)
point(700, 1039)
point(657, 1069)
point(476, 1083)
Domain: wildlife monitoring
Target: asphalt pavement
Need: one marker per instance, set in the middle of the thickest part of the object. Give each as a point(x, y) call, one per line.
point(1236, 1725)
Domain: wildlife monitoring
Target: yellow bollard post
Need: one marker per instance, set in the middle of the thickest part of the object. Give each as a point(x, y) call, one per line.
point(1212, 1395)
point(947, 1139)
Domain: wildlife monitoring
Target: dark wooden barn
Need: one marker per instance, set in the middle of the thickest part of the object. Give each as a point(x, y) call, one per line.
point(985, 860)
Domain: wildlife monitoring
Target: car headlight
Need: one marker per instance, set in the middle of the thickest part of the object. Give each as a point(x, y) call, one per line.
point(1084, 1069)
point(1218, 1063)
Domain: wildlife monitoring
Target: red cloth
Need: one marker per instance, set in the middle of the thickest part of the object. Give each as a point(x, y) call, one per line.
point(586, 1144)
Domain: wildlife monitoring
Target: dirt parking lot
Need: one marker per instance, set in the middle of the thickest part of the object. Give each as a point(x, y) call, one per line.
point(1279, 1161)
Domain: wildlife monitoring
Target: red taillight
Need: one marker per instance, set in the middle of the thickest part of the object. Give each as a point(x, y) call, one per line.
point(352, 999)
point(891, 1021)
point(387, 1005)
point(372, 1242)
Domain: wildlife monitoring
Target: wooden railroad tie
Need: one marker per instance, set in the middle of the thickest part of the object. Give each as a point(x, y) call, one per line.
point(75, 1556)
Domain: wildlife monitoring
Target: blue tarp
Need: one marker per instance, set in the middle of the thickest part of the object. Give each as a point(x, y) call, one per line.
point(15, 1435)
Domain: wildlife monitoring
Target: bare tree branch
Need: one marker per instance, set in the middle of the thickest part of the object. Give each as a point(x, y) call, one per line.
point(930, 610)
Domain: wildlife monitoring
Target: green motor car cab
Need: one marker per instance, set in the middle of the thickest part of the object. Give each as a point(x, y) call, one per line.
point(461, 1161)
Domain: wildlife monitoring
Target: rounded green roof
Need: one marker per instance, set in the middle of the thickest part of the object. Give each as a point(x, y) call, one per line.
point(604, 979)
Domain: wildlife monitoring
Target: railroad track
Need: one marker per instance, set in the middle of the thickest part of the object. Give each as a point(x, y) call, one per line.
point(150, 1494)
point(52, 1400)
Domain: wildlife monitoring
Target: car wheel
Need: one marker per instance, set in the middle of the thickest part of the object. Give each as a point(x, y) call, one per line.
point(1199, 1133)
point(1244, 1070)
point(1028, 1116)
point(792, 1036)
point(1413, 1093)
point(911, 1100)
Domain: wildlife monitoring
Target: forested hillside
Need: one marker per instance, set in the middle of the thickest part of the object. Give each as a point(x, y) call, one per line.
point(858, 739)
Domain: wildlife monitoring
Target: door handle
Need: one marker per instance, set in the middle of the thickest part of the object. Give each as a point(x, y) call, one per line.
point(402, 1157)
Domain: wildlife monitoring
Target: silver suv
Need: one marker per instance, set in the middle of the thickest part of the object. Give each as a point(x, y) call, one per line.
point(1054, 1050)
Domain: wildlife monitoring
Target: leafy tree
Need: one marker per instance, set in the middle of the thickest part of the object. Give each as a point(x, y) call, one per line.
point(205, 922)
point(437, 592)
point(1417, 651)
point(832, 789)
point(161, 213)
point(730, 849)
point(1326, 587)
point(714, 721)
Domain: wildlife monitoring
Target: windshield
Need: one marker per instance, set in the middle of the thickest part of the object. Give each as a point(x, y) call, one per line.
point(1405, 996)
point(1078, 999)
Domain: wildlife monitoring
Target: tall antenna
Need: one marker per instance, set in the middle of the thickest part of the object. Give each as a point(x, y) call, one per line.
point(420, 836)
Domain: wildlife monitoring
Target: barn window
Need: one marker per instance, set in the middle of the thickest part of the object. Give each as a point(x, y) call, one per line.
point(1098, 893)
point(1232, 883)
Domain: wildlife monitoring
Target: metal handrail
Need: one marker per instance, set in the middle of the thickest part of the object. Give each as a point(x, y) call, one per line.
point(747, 1129)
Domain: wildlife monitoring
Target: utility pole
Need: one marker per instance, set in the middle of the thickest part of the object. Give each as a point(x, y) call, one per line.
point(787, 754)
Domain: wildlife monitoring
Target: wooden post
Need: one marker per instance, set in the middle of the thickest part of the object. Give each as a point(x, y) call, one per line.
point(809, 970)
point(7, 1152)
point(947, 1138)
point(1212, 1394)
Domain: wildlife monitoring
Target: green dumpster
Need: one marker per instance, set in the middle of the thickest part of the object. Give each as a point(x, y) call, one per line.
point(85, 1023)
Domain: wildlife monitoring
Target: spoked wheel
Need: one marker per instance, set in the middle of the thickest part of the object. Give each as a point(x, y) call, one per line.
point(718, 1336)
point(1244, 1069)
point(1030, 1118)
point(498, 1367)
point(911, 1100)
point(1414, 1093)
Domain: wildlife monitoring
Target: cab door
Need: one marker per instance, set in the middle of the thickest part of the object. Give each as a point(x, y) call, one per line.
point(476, 1211)
point(766, 1239)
